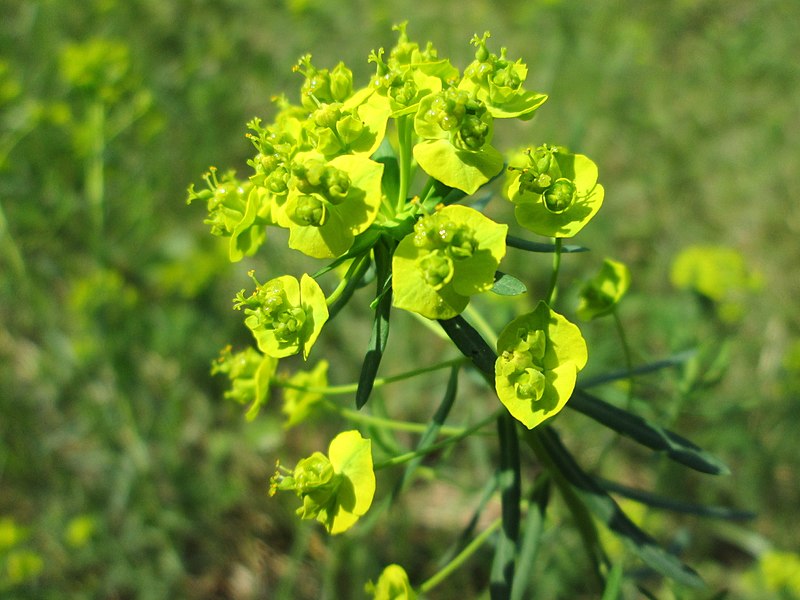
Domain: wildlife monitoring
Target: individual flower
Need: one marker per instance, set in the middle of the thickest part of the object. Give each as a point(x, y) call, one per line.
point(718, 273)
point(539, 356)
point(393, 584)
point(603, 292)
point(322, 85)
point(451, 255)
point(330, 202)
point(249, 372)
point(354, 127)
point(284, 314)
point(497, 82)
point(336, 489)
point(557, 193)
point(408, 74)
point(456, 130)
point(298, 403)
point(235, 210)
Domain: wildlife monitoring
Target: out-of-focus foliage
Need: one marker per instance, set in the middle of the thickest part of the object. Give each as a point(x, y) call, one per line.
point(123, 473)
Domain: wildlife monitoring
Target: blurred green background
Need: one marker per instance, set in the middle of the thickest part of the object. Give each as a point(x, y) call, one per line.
point(123, 474)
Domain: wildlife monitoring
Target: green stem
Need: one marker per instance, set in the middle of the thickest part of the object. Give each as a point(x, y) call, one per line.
point(404, 130)
point(404, 458)
point(554, 277)
point(354, 272)
point(337, 390)
point(461, 557)
point(393, 424)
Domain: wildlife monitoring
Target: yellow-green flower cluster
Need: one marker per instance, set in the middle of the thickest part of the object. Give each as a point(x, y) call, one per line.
point(336, 489)
point(539, 356)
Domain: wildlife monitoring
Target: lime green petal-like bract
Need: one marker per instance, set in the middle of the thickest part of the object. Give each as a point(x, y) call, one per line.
point(471, 271)
point(351, 457)
point(531, 209)
point(603, 292)
point(539, 356)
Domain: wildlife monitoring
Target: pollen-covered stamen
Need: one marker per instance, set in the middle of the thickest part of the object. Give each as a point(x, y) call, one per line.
point(437, 269)
point(559, 196)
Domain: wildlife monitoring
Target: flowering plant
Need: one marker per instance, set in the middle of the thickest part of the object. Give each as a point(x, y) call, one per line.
point(381, 182)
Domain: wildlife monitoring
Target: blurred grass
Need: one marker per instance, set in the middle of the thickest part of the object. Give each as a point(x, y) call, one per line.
point(110, 316)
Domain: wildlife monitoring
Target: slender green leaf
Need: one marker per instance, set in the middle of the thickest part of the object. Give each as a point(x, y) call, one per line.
point(380, 325)
point(471, 345)
point(671, 361)
point(648, 434)
point(507, 285)
point(656, 501)
point(355, 276)
point(523, 244)
point(608, 512)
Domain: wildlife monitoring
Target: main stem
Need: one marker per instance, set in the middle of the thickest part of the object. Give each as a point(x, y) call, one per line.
point(551, 294)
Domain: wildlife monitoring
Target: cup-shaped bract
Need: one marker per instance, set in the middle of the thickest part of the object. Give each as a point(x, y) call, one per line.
point(498, 82)
point(330, 202)
point(557, 194)
point(451, 255)
point(456, 130)
point(285, 315)
point(336, 489)
point(603, 292)
point(392, 584)
point(539, 356)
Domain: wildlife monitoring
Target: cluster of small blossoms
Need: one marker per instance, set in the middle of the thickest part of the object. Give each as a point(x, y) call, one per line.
point(326, 170)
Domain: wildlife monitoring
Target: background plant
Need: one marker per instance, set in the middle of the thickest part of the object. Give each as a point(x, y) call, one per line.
point(675, 167)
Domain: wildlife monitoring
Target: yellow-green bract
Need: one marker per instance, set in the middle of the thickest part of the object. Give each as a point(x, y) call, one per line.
point(332, 202)
point(285, 315)
point(336, 489)
point(391, 585)
point(539, 356)
point(557, 194)
point(451, 255)
point(603, 292)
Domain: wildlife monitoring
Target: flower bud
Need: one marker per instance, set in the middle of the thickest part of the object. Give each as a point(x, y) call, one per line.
point(341, 82)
